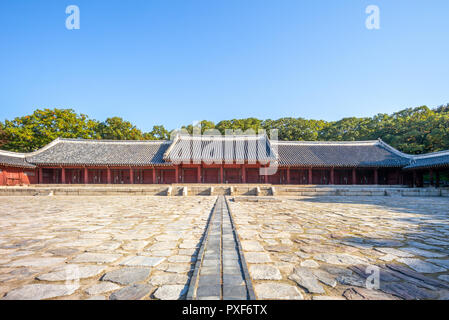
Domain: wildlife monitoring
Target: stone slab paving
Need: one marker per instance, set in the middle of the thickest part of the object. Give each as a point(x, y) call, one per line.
point(326, 248)
point(138, 247)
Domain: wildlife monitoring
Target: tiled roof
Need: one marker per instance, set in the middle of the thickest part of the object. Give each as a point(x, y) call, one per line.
point(100, 152)
point(218, 149)
point(339, 154)
point(13, 159)
point(431, 160)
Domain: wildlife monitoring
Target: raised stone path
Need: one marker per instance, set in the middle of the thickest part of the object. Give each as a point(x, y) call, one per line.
point(220, 272)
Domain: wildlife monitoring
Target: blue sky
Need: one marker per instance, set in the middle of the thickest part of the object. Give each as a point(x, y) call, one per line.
point(172, 62)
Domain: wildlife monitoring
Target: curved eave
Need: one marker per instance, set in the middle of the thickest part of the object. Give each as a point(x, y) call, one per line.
point(433, 166)
point(15, 165)
point(342, 166)
point(104, 164)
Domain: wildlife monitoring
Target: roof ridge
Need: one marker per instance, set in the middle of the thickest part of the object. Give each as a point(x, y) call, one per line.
point(431, 155)
point(301, 142)
point(12, 153)
point(109, 140)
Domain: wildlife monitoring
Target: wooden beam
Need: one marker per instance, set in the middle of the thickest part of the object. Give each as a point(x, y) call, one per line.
point(198, 178)
point(288, 175)
point(354, 176)
point(221, 174)
point(131, 175)
point(86, 176)
point(109, 175)
point(243, 174)
point(332, 178)
point(376, 176)
point(176, 174)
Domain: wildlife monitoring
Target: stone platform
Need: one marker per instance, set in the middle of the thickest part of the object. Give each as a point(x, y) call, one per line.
point(221, 189)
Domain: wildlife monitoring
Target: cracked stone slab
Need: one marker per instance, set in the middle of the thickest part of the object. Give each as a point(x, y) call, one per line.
point(126, 276)
point(423, 253)
point(257, 257)
point(41, 291)
point(339, 258)
point(305, 278)
point(440, 262)
point(366, 294)
point(71, 272)
point(172, 278)
point(101, 288)
point(265, 272)
point(277, 291)
point(421, 266)
point(90, 257)
point(310, 264)
point(170, 292)
point(133, 292)
point(142, 261)
point(395, 252)
point(36, 262)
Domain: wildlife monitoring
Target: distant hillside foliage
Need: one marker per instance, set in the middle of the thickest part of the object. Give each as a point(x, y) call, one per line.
point(413, 130)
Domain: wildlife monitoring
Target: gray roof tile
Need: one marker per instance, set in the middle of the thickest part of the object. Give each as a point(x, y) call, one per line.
point(13, 159)
point(338, 154)
point(432, 160)
point(100, 152)
point(218, 149)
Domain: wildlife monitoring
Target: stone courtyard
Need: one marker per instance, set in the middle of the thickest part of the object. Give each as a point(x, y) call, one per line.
point(146, 247)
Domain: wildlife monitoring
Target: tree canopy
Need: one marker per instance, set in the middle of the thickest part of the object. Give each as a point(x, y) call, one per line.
point(412, 130)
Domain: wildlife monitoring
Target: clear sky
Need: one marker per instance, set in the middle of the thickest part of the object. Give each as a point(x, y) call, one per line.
point(172, 62)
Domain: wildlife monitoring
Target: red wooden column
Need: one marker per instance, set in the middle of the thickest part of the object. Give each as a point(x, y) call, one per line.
point(86, 176)
point(198, 171)
point(109, 175)
point(243, 174)
point(332, 179)
point(176, 174)
point(310, 176)
point(40, 177)
point(414, 178)
point(63, 175)
point(221, 174)
point(131, 175)
point(431, 176)
point(354, 176)
point(376, 176)
point(154, 175)
point(437, 181)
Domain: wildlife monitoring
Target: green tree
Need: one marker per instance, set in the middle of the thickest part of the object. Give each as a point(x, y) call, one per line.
point(31, 132)
point(116, 128)
point(158, 133)
point(3, 138)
